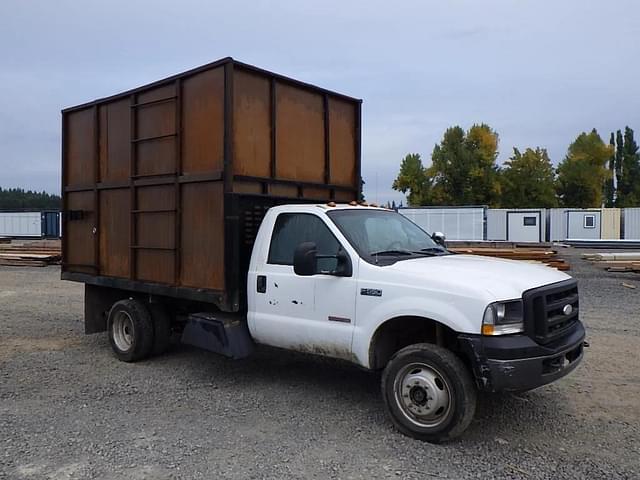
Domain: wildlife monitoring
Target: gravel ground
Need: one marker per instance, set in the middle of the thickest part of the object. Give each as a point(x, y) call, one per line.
point(69, 410)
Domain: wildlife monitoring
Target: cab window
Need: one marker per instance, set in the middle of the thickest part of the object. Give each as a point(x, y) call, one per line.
point(292, 229)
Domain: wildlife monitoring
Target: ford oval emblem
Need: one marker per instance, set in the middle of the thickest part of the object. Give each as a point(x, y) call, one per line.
point(567, 309)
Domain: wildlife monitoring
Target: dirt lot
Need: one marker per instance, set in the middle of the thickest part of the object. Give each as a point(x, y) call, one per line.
point(69, 410)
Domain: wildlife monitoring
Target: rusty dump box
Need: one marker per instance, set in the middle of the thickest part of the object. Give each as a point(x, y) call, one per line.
point(164, 186)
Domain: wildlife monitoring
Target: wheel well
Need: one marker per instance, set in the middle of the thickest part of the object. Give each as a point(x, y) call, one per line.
point(401, 332)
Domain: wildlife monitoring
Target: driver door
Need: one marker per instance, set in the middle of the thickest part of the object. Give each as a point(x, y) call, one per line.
point(311, 314)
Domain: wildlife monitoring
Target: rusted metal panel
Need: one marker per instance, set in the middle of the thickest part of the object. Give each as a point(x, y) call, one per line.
point(255, 188)
point(345, 196)
point(342, 134)
point(155, 265)
point(202, 234)
point(114, 232)
point(203, 122)
point(283, 190)
point(80, 255)
point(115, 141)
point(157, 157)
point(80, 148)
point(156, 95)
point(252, 124)
point(155, 180)
point(300, 135)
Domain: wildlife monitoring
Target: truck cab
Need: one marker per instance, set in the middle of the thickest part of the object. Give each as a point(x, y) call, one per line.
point(366, 285)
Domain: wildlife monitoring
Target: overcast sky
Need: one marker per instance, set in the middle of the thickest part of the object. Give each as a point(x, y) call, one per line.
point(539, 72)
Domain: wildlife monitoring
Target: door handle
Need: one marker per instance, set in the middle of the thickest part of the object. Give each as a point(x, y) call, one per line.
point(261, 284)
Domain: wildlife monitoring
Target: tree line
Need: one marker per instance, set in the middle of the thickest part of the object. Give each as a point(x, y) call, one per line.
point(464, 171)
point(20, 199)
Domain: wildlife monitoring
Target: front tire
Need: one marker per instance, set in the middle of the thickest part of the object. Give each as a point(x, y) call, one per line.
point(130, 330)
point(428, 393)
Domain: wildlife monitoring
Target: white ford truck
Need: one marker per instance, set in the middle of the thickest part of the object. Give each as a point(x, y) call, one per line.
point(212, 205)
point(366, 285)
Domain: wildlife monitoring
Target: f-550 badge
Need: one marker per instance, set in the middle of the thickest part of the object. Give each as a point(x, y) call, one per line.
point(371, 292)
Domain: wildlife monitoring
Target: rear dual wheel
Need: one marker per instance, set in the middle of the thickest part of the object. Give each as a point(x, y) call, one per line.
point(428, 393)
point(134, 334)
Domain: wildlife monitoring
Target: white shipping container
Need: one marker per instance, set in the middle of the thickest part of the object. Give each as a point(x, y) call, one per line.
point(632, 223)
point(20, 224)
point(463, 223)
point(517, 225)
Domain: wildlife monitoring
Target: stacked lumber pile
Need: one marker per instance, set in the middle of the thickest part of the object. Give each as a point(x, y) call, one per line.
point(530, 254)
point(30, 254)
point(616, 262)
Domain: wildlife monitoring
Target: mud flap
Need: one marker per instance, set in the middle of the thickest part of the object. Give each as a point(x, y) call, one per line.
point(217, 333)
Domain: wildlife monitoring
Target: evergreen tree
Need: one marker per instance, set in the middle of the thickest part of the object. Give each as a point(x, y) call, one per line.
point(618, 162)
point(629, 178)
point(610, 183)
point(20, 199)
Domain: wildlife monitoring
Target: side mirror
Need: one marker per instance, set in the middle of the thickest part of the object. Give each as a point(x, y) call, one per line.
point(305, 259)
point(439, 238)
point(344, 268)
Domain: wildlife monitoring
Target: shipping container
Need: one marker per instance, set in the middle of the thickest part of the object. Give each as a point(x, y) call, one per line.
point(517, 225)
point(164, 186)
point(20, 224)
point(30, 224)
point(457, 223)
point(632, 223)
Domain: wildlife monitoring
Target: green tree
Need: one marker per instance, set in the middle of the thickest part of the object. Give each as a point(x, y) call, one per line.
point(628, 192)
point(528, 180)
point(413, 180)
point(609, 184)
point(18, 199)
point(583, 171)
point(464, 170)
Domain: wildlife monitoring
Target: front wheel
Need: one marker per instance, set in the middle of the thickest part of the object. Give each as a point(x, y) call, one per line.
point(428, 393)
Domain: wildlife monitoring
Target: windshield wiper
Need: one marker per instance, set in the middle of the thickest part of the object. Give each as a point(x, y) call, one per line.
point(391, 252)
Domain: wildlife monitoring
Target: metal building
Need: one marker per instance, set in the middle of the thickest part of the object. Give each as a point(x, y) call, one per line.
point(517, 225)
point(632, 223)
point(611, 223)
point(457, 223)
point(584, 224)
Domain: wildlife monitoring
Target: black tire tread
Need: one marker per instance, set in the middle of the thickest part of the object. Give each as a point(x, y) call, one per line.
point(143, 327)
point(448, 362)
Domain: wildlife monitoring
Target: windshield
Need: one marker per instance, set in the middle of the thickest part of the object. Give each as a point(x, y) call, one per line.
point(380, 235)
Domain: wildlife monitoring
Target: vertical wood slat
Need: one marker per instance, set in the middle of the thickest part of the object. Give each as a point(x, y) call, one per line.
point(327, 152)
point(228, 127)
point(177, 203)
point(96, 199)
point(274, 100)
point(132, 190)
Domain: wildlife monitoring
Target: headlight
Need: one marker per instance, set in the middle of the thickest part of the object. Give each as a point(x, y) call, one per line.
point(503, 318)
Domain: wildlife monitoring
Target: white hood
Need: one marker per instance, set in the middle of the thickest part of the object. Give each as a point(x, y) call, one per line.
point(503, 279)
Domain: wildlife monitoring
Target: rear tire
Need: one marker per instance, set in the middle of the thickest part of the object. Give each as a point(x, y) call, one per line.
point(130, 330)
point(428, 393)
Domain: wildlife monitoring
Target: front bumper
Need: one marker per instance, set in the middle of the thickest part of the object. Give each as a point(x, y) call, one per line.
point(517, 363)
